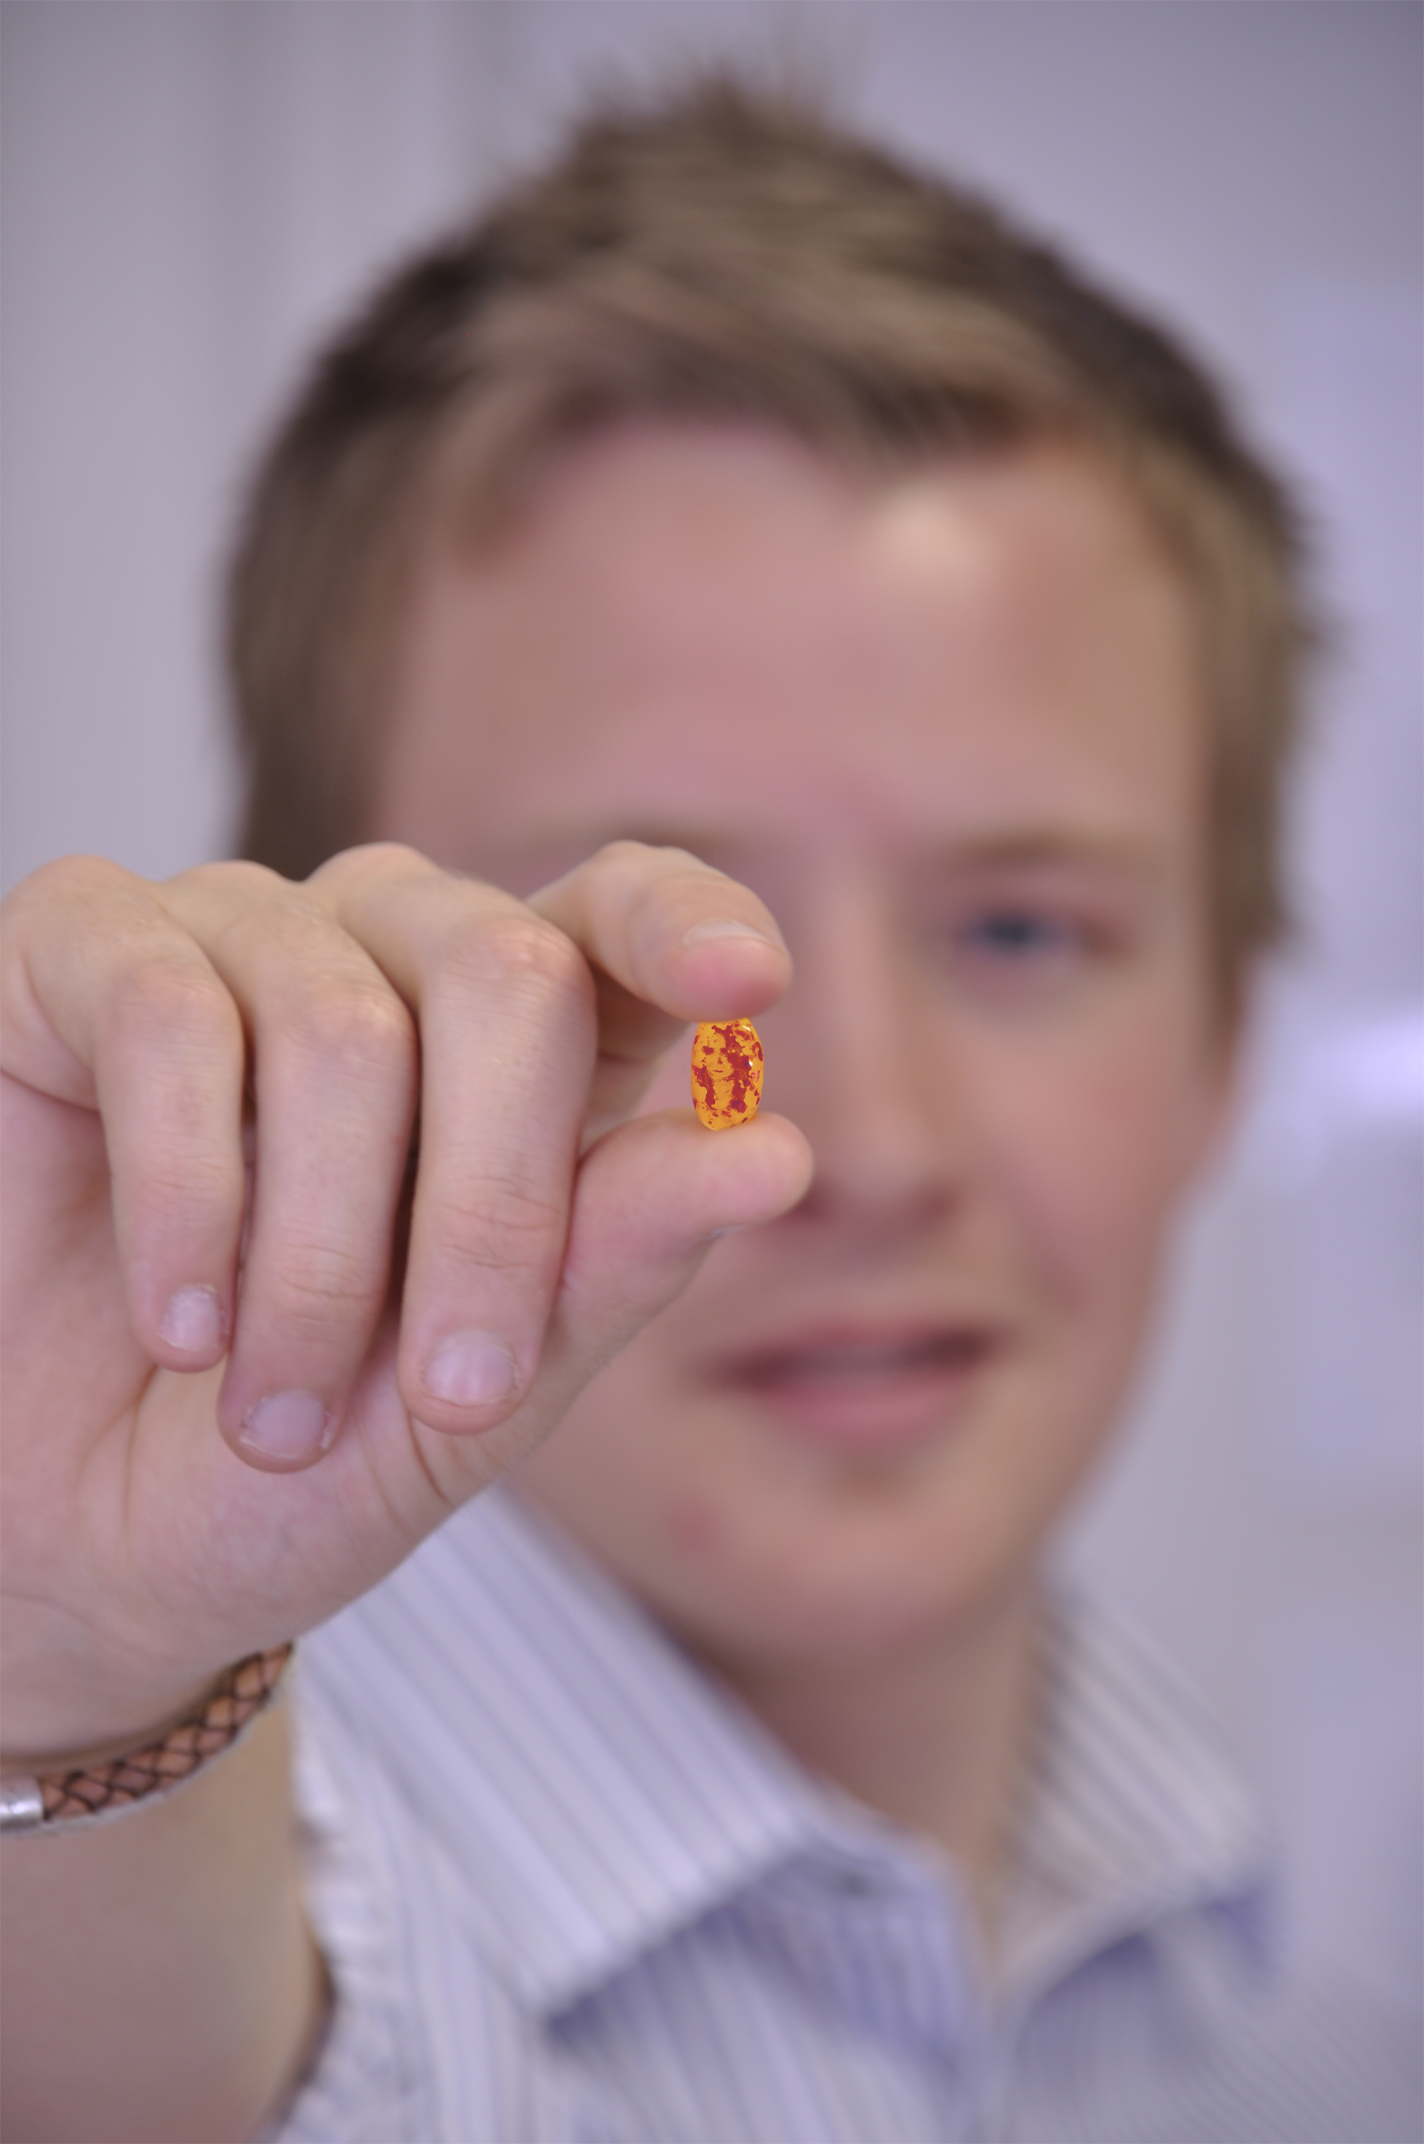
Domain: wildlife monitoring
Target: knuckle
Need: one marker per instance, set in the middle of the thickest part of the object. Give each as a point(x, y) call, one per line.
point(189, 1185)
point(371, 859)
point(234, 875)
point(502, 1223)
point(356, 1023)
point(73, 899)
point(170, 999)
point(184, 1204)
point(618, 855)
point(318, 1288)
point(641, 857)
point(514, 950)
point(74, 878)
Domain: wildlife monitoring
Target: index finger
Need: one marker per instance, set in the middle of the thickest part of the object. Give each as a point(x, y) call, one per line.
point(669, 940)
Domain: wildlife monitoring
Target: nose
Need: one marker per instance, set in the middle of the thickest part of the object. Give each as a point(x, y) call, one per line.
point(862, 1058)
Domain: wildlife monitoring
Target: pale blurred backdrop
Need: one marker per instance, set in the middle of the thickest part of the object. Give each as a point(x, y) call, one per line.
point(195, 190)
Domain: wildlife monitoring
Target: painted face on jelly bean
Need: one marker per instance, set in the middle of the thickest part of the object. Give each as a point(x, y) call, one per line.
point(727, 1070)
point(947, 727)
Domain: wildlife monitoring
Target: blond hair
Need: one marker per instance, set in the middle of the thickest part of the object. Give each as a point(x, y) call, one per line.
point(732, 255)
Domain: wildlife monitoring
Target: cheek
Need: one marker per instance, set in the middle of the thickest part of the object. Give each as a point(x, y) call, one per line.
point(1098, 1157)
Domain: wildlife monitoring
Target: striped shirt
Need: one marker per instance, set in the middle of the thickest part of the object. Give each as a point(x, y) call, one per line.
point(570, 1893)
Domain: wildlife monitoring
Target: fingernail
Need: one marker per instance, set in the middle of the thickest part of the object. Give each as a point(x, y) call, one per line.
point(470, 1370)
point(193, 1321)
point(287, 1425)
point(728, 927)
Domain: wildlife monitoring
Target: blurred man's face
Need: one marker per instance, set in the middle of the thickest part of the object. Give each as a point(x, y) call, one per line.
point(947, 728)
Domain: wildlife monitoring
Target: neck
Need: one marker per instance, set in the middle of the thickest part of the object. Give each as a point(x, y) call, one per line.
point(932, 1735)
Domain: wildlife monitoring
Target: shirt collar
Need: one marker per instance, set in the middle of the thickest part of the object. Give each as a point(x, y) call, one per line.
point(1130, 1811)
point(595, 1793)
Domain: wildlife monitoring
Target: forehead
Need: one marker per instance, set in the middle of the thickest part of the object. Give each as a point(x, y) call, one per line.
point(694, 628)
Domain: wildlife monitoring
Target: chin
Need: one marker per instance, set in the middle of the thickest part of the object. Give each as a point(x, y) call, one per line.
point(825, 1588)
point(758, 1540)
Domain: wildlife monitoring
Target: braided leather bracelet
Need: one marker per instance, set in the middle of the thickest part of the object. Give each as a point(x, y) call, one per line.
point(81, 1795)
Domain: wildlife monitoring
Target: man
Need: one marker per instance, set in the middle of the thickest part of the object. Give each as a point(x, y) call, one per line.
point(735, 536)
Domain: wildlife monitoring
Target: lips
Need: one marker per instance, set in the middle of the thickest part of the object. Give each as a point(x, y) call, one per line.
point(869, 1389)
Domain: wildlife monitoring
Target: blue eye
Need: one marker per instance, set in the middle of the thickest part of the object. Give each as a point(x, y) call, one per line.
point(1017, 934)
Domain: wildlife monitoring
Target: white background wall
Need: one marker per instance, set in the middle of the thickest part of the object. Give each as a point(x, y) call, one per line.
point(193, 193)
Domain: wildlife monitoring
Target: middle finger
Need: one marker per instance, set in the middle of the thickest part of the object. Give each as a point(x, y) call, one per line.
point(506, 1012)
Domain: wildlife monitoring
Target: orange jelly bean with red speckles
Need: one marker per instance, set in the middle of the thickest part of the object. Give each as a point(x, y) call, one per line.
point(726, 1073)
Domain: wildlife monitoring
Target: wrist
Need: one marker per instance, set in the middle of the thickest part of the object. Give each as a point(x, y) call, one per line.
point(66, 1696)
point(55, 1732)
point(80, 1681)
point(59, 1795)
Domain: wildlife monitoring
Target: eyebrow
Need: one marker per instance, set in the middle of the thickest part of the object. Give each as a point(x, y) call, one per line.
point(1025, 848)
point(1050, 848)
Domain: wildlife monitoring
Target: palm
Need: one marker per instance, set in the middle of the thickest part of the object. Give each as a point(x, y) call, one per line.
point(126, 1487)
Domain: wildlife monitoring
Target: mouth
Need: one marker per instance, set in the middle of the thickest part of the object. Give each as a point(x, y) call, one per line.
point(872, 1391)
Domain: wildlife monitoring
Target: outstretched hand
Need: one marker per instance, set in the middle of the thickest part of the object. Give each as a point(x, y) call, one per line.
point(323, 1201)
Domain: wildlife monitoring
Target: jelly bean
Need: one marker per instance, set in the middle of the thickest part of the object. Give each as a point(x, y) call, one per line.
point(726, 1073)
